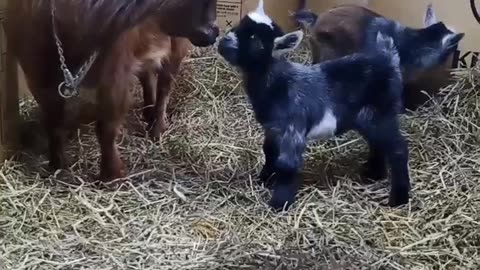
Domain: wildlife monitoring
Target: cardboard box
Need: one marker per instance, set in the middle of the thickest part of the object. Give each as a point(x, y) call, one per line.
point(229, 12)
point(9, 110)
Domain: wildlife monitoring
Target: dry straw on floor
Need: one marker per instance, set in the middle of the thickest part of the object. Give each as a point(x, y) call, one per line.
point(192, 201)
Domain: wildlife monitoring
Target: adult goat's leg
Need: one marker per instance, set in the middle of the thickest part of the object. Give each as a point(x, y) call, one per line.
point(54, 113)
point(148, 81)
point(164, 88)
point(113, 106)
point(52, 106)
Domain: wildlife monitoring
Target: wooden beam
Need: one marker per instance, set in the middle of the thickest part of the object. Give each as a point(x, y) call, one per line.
point(9, 105)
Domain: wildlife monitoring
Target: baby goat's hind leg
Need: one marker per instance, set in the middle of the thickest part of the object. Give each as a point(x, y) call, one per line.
point(386, 140)
point(271, 153)
point(148, 81)
point(156, 94)
point(397, 157)
point(290, 147)
point(375, 168)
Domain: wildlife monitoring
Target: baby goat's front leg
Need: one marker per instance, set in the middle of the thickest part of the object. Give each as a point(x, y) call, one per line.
point(289, 145)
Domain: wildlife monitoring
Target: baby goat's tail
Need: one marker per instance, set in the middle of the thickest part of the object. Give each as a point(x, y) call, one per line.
point(389, 74)
point(386, 46)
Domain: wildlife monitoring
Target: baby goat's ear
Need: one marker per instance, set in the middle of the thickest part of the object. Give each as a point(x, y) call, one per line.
point(287, 43)
point(430, 17)
point(305, 17)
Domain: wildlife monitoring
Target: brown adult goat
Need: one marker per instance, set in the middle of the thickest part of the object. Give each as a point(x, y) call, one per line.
point(129, 35)
point(346, 29)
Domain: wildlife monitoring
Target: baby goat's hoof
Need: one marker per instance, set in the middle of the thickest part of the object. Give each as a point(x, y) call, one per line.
point(283, 197)
point(57, 162)
point(398, 198)
point(279, 204)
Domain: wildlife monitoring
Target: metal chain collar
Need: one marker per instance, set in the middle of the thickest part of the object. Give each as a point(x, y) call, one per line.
point(71, 84)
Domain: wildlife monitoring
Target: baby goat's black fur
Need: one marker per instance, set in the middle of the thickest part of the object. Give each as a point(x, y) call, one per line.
point(295, 103)
point(345, 29)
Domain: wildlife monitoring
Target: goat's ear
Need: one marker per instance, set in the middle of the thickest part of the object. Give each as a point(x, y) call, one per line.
point(452, 39)
point(430, 16)
point(305, 17)
point(287, 43)
point(384, 41)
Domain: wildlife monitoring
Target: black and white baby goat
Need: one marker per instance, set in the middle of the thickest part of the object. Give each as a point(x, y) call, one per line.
point(296, 103)
point(346, 29)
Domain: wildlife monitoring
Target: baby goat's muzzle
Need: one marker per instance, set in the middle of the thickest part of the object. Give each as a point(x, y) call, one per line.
point(228, 48)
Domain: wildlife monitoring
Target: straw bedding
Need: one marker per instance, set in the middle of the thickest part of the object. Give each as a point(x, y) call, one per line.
point(192, 202)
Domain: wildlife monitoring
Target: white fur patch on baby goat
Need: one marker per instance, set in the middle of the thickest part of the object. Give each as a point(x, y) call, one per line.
point(260, 18)
point(325, 128)
point(446, 38)
point(233, 37)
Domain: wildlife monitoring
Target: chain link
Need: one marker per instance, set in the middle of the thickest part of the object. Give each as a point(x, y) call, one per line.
point(71, 84)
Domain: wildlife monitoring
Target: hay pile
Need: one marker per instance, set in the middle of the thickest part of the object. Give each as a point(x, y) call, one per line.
point(192, 201)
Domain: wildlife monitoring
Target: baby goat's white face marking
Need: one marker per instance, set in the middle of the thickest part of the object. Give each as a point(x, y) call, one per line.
point(233, 37)
point(325, 128)
point(260, 18)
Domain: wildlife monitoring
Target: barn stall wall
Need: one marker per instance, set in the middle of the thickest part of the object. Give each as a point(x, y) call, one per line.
point(9, 110)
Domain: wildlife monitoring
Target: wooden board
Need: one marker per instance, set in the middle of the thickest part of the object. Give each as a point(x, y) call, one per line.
point(9, 110)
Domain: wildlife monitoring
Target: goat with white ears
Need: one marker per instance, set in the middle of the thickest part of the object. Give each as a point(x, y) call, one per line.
point(345, 29)
point(296, 103)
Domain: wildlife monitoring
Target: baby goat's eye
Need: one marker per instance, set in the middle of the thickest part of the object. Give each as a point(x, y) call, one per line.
point(256, 43)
